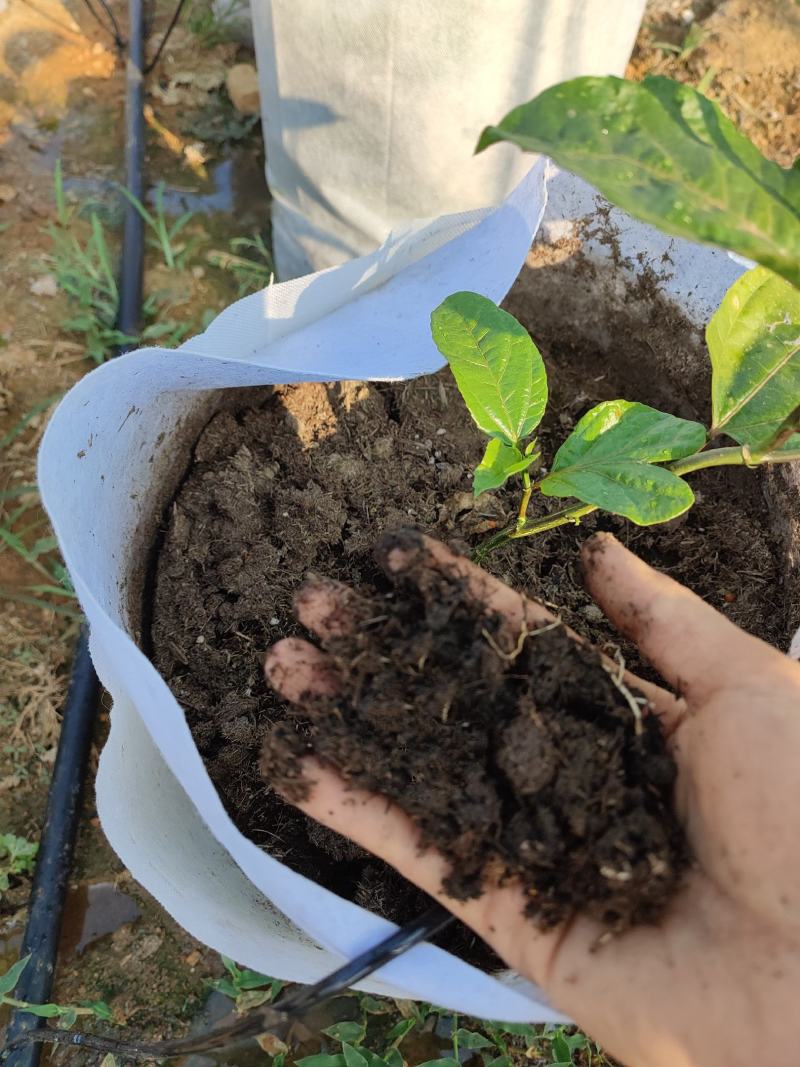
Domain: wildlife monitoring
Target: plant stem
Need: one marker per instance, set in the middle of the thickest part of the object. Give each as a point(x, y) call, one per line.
point(738, 456)
point(573, 514)
point(526, 499)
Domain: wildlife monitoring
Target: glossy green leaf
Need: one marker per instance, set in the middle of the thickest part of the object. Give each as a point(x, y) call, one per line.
point(496, 365)
point(667, 154)
point(12, 975)
point(754, 342)
point(609, 461)
point(352, 1032)
point(499, 462)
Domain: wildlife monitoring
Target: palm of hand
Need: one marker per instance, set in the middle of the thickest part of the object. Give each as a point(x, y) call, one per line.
point(724, 964)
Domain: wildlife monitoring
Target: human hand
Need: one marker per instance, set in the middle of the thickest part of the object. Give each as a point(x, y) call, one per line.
point(722, 969)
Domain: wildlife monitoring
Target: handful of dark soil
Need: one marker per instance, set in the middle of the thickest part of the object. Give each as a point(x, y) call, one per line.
point(515, 755)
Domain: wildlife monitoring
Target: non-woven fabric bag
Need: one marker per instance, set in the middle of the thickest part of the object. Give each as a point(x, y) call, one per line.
point(371, 108)
point(110, 459)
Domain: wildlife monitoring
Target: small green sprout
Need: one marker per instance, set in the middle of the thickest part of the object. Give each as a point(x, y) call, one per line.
point(66, 1014)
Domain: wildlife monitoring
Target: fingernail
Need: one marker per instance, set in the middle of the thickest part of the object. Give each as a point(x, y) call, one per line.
point(398, 550)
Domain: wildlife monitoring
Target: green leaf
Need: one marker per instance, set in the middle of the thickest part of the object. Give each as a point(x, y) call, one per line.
point(665, 153)
point(351, 1032)
point(497, 367)
point(561, 1049)
point(499, 462)
point(523, 1030)
point(352, 1056)
point(12, 975)
point(67, 1018)
point(472, 1039)
point(322, 1060)
point(109, 1060)
point(374, 1005)
point(44, 1011)
point(255, 980)
point(98, 1008)
point(225, 986)
point(754, 342)
point(394, 1058)
point(399, 1031)
point(248, 999)
point(499, 1061)
point(608, 460)
point(446, 1062)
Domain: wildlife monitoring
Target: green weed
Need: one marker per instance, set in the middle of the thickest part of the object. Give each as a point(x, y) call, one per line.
point(84, 271)
point(164, 232)
point(17, 856)
point(66, 1014)
point(247, 989)
point(212, 27)
point(252, 272)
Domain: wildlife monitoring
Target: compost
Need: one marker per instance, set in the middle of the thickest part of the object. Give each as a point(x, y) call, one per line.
point(300, 478)
point(515, 753)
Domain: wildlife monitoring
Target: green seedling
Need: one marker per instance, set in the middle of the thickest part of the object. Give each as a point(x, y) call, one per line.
point(17, 856)
point(622, 456)
point(247, 989)
point(669, 156)
point(66, 1014)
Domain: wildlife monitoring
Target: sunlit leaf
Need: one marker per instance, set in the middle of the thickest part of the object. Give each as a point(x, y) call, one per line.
point(754, 342)
point(609, 461)
point(668, 155)
point(497, 367)
point(499, 462)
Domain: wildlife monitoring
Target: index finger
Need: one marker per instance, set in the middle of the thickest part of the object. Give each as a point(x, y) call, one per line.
point(693, 647)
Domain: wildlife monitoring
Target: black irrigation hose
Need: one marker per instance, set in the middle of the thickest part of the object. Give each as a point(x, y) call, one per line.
point(26, 1033)
point(272, 1016)
point(55, 853)
point(66, 788)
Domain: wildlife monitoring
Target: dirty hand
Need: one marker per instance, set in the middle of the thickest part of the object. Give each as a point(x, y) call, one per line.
point(720, 974)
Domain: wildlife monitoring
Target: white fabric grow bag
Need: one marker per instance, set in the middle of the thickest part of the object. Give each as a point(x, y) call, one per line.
point(109, 463)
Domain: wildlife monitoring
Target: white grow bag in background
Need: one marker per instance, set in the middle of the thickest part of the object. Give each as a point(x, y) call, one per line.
point(109, 462)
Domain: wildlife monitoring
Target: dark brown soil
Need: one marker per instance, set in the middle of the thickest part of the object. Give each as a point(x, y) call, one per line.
point(307, 477)
point(513, 754)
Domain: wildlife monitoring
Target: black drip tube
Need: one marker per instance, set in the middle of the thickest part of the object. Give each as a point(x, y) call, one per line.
point(27, 1033)
point(56, 846)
